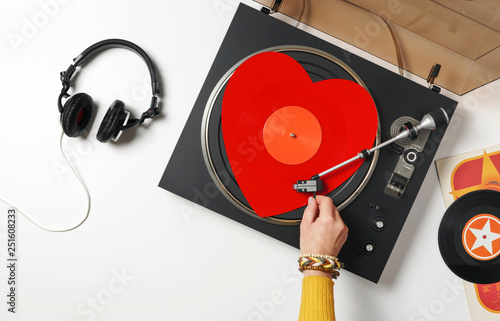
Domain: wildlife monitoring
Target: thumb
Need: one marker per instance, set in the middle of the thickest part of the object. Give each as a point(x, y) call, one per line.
point(311, 211)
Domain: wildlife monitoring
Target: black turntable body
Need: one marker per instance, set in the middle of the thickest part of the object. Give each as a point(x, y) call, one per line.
point(375, 202)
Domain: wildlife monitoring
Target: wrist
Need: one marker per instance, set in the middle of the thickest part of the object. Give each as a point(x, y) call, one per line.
point(320, 251)
point(317, 273)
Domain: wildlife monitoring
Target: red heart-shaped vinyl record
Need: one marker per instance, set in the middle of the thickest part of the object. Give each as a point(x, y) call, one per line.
point(279, 127)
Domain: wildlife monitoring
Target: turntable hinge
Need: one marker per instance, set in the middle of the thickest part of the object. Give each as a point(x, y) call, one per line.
point(432, 76)
point(275, 7)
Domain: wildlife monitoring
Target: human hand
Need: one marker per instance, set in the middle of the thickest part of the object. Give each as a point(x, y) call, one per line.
point(322, 230)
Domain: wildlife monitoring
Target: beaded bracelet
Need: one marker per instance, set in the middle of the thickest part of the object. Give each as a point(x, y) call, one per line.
point(335, 273)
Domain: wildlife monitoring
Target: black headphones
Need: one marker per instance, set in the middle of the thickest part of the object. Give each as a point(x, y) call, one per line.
point(79, 108)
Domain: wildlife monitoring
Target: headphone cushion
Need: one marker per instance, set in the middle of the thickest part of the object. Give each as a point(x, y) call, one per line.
point(113, 120)
point(76, 115)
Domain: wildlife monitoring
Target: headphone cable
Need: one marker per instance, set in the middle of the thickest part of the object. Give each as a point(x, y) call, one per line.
point(84, 186)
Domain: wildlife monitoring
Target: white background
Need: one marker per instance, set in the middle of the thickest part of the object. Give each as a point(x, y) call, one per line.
point(144, 253)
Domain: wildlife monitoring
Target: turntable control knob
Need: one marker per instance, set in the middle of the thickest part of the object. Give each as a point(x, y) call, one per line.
point(367, 248)
point(379, 224)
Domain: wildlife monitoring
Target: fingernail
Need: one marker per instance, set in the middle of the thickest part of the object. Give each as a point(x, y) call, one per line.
point(311, 200)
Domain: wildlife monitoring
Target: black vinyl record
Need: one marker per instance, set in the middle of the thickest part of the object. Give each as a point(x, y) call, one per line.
point(469, 237)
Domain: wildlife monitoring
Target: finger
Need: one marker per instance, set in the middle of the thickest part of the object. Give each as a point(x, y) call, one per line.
point(326, 207)
point(336, 214)
point(311, 211)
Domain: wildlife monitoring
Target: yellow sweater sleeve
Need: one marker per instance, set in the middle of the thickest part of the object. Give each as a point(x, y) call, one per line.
point(317, 299)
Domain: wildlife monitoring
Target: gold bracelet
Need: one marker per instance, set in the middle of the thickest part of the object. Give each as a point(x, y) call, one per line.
point(335, 273)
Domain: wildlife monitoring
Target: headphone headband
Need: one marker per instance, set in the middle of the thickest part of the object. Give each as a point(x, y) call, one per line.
point(91, 51)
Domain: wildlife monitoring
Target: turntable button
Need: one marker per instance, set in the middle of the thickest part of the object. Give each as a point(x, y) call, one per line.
point(411, 156)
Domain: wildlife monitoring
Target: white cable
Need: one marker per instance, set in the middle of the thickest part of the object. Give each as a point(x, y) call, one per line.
point(83, 186)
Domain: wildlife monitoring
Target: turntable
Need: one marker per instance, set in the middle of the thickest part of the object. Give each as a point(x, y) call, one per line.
point(374, 196)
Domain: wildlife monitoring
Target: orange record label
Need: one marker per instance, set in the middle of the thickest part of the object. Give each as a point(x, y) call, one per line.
point(292, 135)
point(489, 296)
point(481, 237)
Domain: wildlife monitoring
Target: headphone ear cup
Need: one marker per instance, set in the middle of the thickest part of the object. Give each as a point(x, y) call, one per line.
point(113, 120)
point(76, 115)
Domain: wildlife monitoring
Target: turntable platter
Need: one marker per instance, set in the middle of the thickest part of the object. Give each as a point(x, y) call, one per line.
point(319, 66)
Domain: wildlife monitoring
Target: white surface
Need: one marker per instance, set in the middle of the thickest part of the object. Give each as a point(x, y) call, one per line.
point(144, 253)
